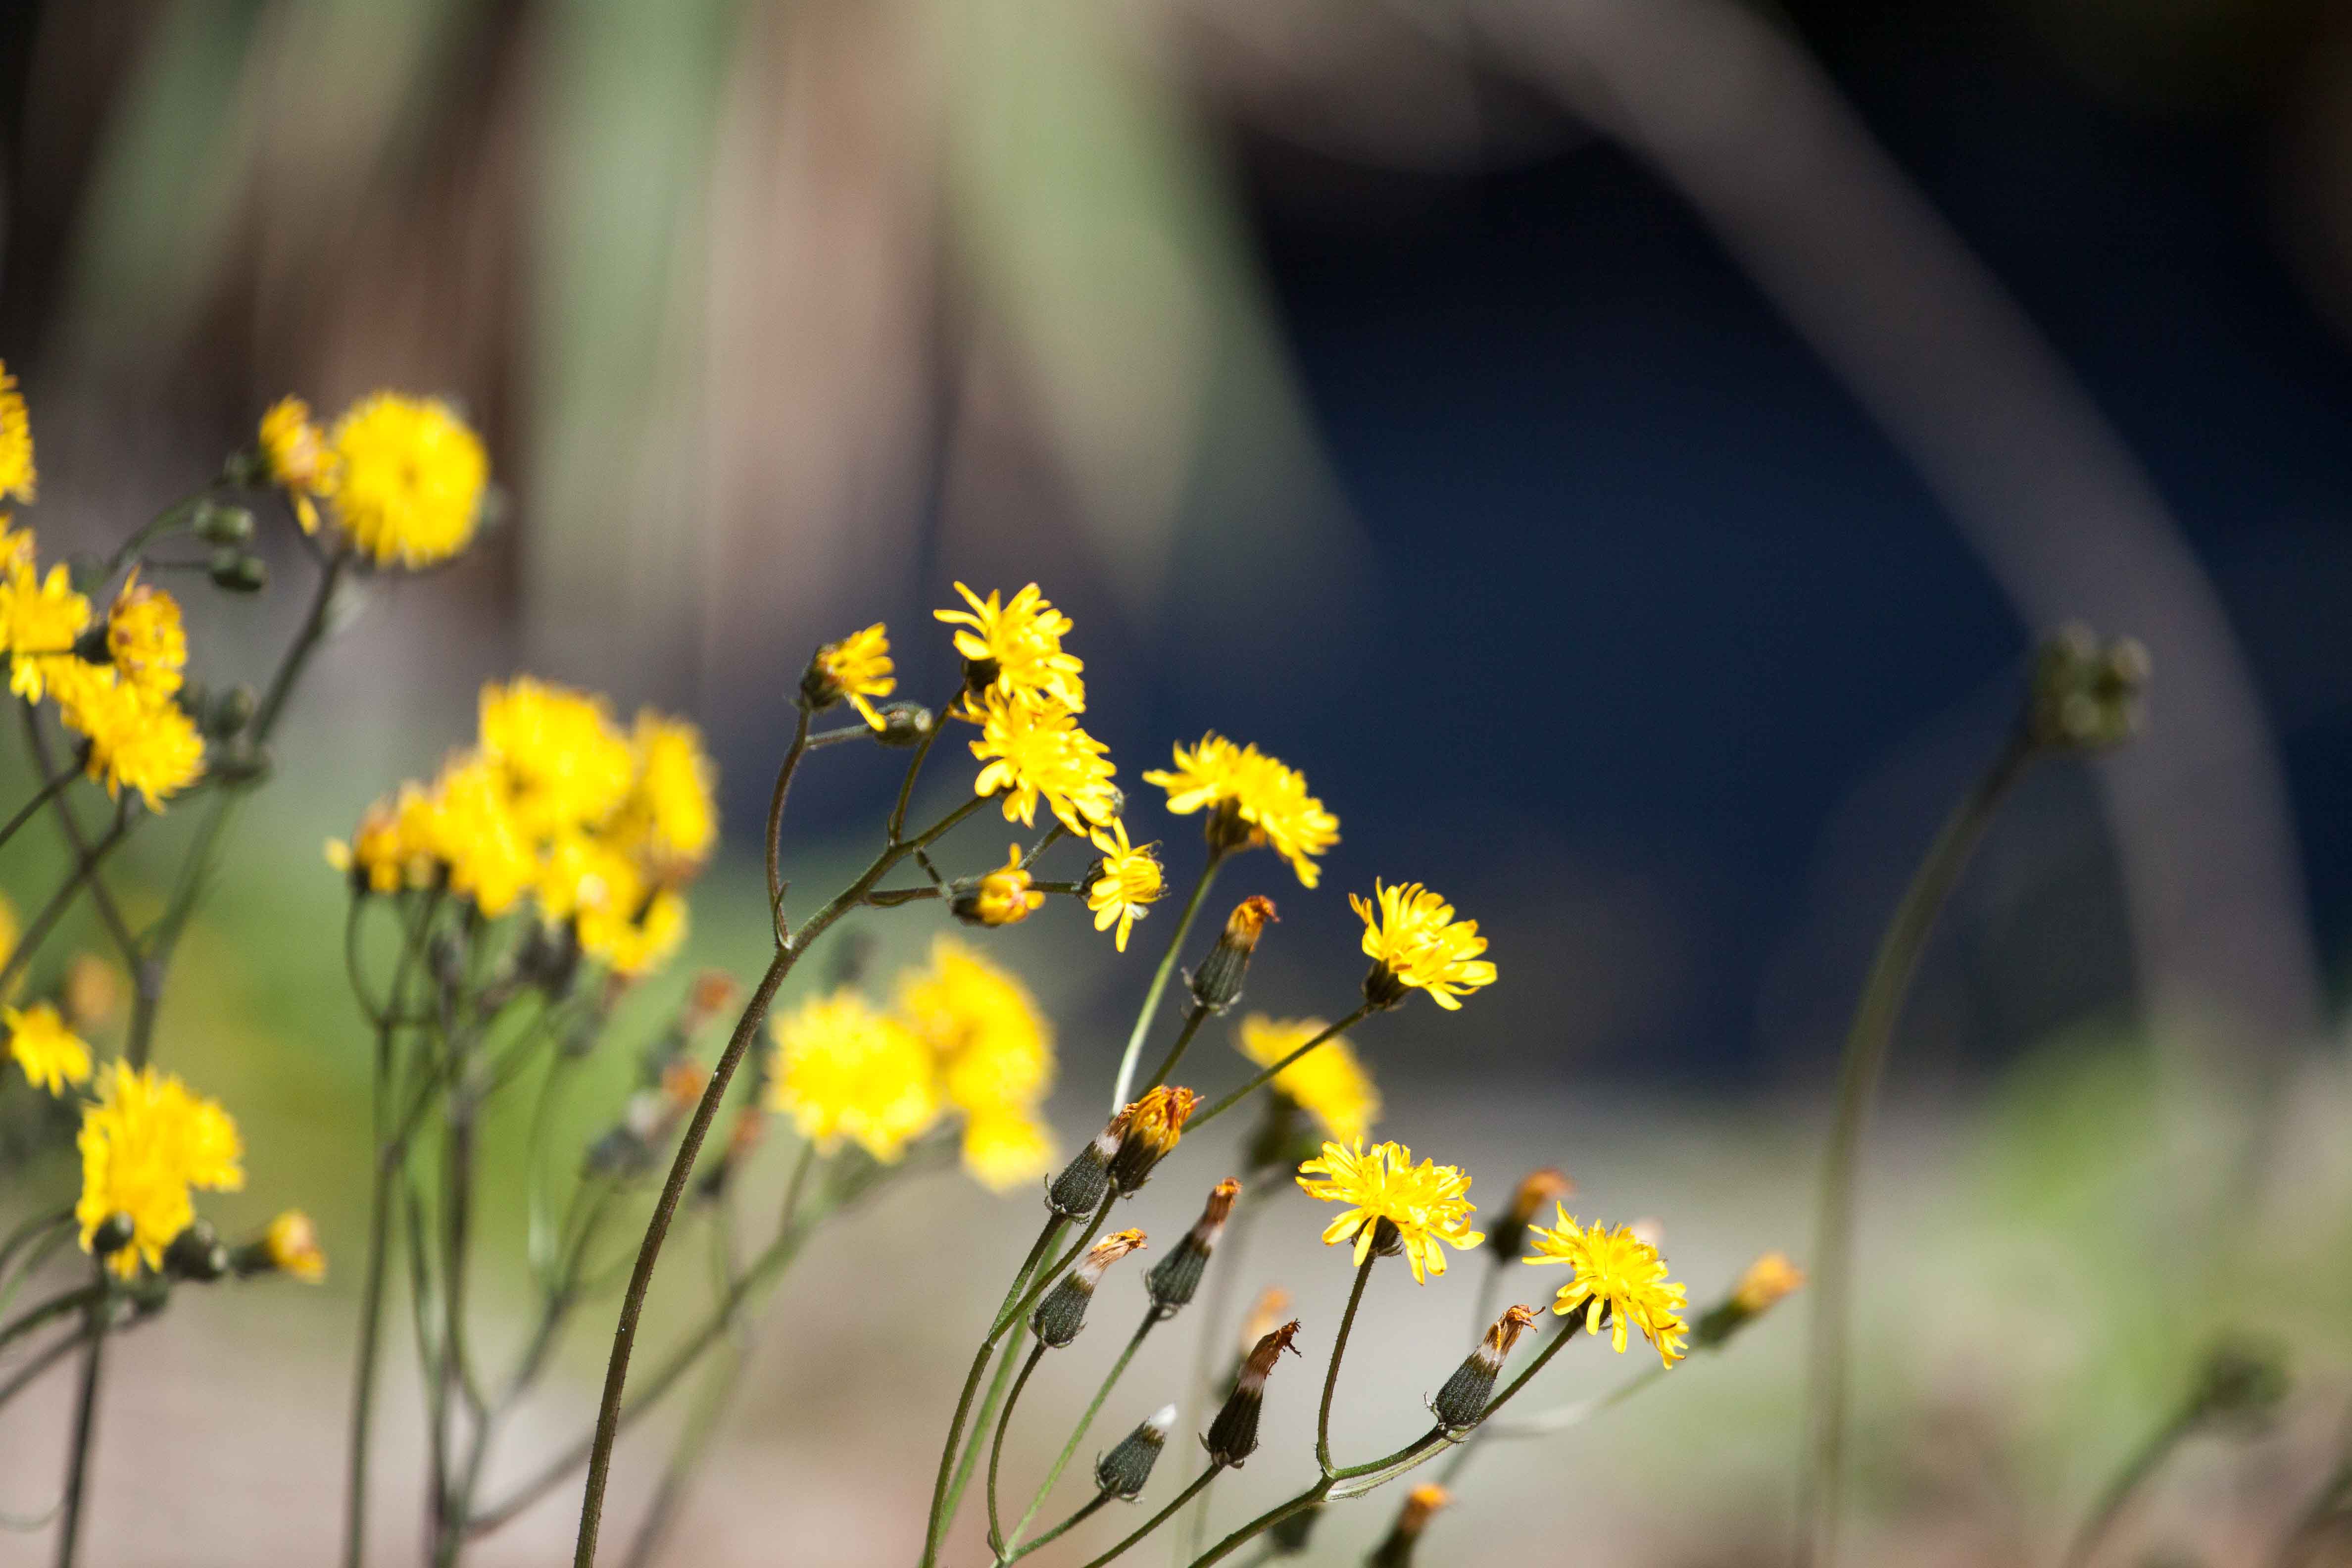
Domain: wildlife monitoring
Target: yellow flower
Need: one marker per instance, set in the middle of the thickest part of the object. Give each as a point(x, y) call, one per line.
point(993, 1047)
point(1415, 943)
point(299, 461)
point(1427, 1204)
point(671, 815)
point(1768, 1281)
point(9, 929)
point(1023, 642)
point(1004, 1149)
point(1328, 1081)
point(636, 939)
point(473, 830)
point(1620, 1279)
point(1253, 799)
point(18, 477)
point(856, 669)
point(51, 1054)
point(40, 617)
point(409, 479)
point(136, 741)
point(145, 1141)
point(393, 848)
point(292, 1244)
point(1004, 897)
point(1148, 1132)
point(146, 639)
point(844, 1070)
point(1126, 879)
point(566, 764)
point(1033, 750)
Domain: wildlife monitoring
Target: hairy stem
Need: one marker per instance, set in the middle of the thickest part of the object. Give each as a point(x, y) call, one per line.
point(1078, 1433)
point(996, 1446)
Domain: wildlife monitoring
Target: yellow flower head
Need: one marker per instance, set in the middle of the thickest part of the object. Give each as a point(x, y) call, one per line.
point(1426, 1204)
point(474, 831)
point(10, 931)
point(1415, 943)
point(292, 1244)
point(856, 667)
point(51, 1054)
point(299, 461)
point(566, 764)
point(146, 638)
point(636, 937)
point(145, 1141)
point(393, 848)
point(409, 479)
point(1126, 879)
point(1252, 799)
point(40, 617)
point(18, 477)
point(1033, 750)
point(1768, 1281)
point(1004, 1149)
point(136, 741)
point(844, 1070)
point(1419, 1504)
point(993, 1045)
point(1329, 1081)
point(671, 817)
point(1006, 896)
point(1015, 650)
point(1619, 1279)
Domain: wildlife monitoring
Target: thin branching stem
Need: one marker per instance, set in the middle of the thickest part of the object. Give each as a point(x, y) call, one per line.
point(1363, 1010)
point(1152, 1317)
point(1086, 1510)
point(774, 837)
point(1339, 1349)
point(1150, 1008)
point(2128, 1481)
point(1200, 1483)
point(996, 1446)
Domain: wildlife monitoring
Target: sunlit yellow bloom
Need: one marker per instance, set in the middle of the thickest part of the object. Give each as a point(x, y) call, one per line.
point(1427, 1204)
point(635, 940)
point(300, 460)
point(1329, 1081)
point(409, 479)
point(136, 741)
point(1415, 943)
point(844, 1070)
point(1033, 750)
point(146, 639)
point(18, 477)
point(1007, 1148)
point(671, 816)
point(1253, 799)
point(293, 1246)
point(40, 617)
point(1619, 1279)
point(474, 831)
point(1022, 641)
point(566, 764)
point(51, 1054)
point(1126, 879)
point(145, 1141)
point(392, 847)
point(993, 1045)
point(854, 669)
point(1006, 896)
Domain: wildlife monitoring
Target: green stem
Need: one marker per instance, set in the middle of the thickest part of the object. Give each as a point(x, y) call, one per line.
point(1078, 1433)
point(1128, 1058)
point(1866, 1046)
point(1193, 1018)
point(776, 834)
point(2127, 1481)
point(996, 1446)
point(1363, 1010)
point(37, 930)
point(1085, 1512)
point(1199, 1484)
point(40, 798)
point(79, 1299)
point(84, 1432)
point(1339, 1349)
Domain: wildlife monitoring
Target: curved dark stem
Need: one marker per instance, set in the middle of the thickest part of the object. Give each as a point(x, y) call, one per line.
point(1194, 1019)
point(996, 1445)
point(1362, 1012)
point(1339, 1349)
point(85, 1431)
point(25, 1375)
point(108, 913)
point(37, 930)
point(2128, 1481)
point(1156, 1519)
point(41, 797)
point(775, 836)
point(1085, 1512)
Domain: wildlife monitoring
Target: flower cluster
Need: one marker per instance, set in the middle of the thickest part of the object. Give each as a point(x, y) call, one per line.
point(403, 477)
point(1252, 799)
point(962, 1036)
point(601, 827)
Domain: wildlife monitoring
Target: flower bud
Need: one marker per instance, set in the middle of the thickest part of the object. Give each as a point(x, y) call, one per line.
point(1175, 1278)
point(113, 1235)
point(1152, 1126)
point(1396, 1549)
point(1771, 1280)
point(1536, 1189)
point(1085, 1182)
point(218, 523)
point(904, 724)
point(1004, 897)
point(2085, 695)
point(1124, 1471)
point(1218, 985)
point(290, 1246)
point(1461, 1403)
point(1233, 1435)
point(233, 569)
point(1063, 1312)
point(196, 1253)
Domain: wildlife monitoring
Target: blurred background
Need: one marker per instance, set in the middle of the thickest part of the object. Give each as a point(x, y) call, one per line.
point(1620, 450)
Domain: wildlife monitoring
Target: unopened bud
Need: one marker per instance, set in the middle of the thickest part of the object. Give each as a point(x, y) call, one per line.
point(1124, 1471)
point(290, 1246)
point(1461, 1403)
point(233, 569)
point(1396, 1549)
point(1085, 1182)
point(1770, 1280)
point(113, 1235)
point(217, 522)
point(1152, 1126)
point(1536, 1189)
point(1063, 1312)
point(904, 724)
point(1218, 985)
point(1175, 1278)
point(196, 1253)
point(2085, 695)
point(1233, 1435)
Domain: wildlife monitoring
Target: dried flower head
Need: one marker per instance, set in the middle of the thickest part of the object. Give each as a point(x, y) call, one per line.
point(1148, 1132)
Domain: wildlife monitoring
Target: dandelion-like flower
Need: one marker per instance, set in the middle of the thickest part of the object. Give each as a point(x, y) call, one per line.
point(46, 1047)
point(856, 669)
point(1015, 649)
point(993, 1045)
point(1328, 1082)
point(18, 477)
point(40, 617)
point(1768, 1281)
point(1006, 896)
point(1253, 799)
point(147, 639)
point(565, 764)
point(1007, 1147)
point(671, 815)
point(1427, 1204)
point(844, 1070)
point(145, 1142)
point(136, 741)
point(633, 938)
point(295, 452)
point(410, 477)
point(1416, 945)
point(1035, 750)
point(1620, 1280)
point(1125, 881)
point(292, 1243)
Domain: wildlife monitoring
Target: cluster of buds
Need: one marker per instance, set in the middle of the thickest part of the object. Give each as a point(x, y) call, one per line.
point(1768, 1281)
point(1396, 1548)
point(1461, 1403)
point(1233, 1436)
point(2086, 694)
point(1537, 1189)
point(1118, 1160)
point(1063, 1312)
point(1217, 984)
point(1173, 1280)
point(1125, 1470)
